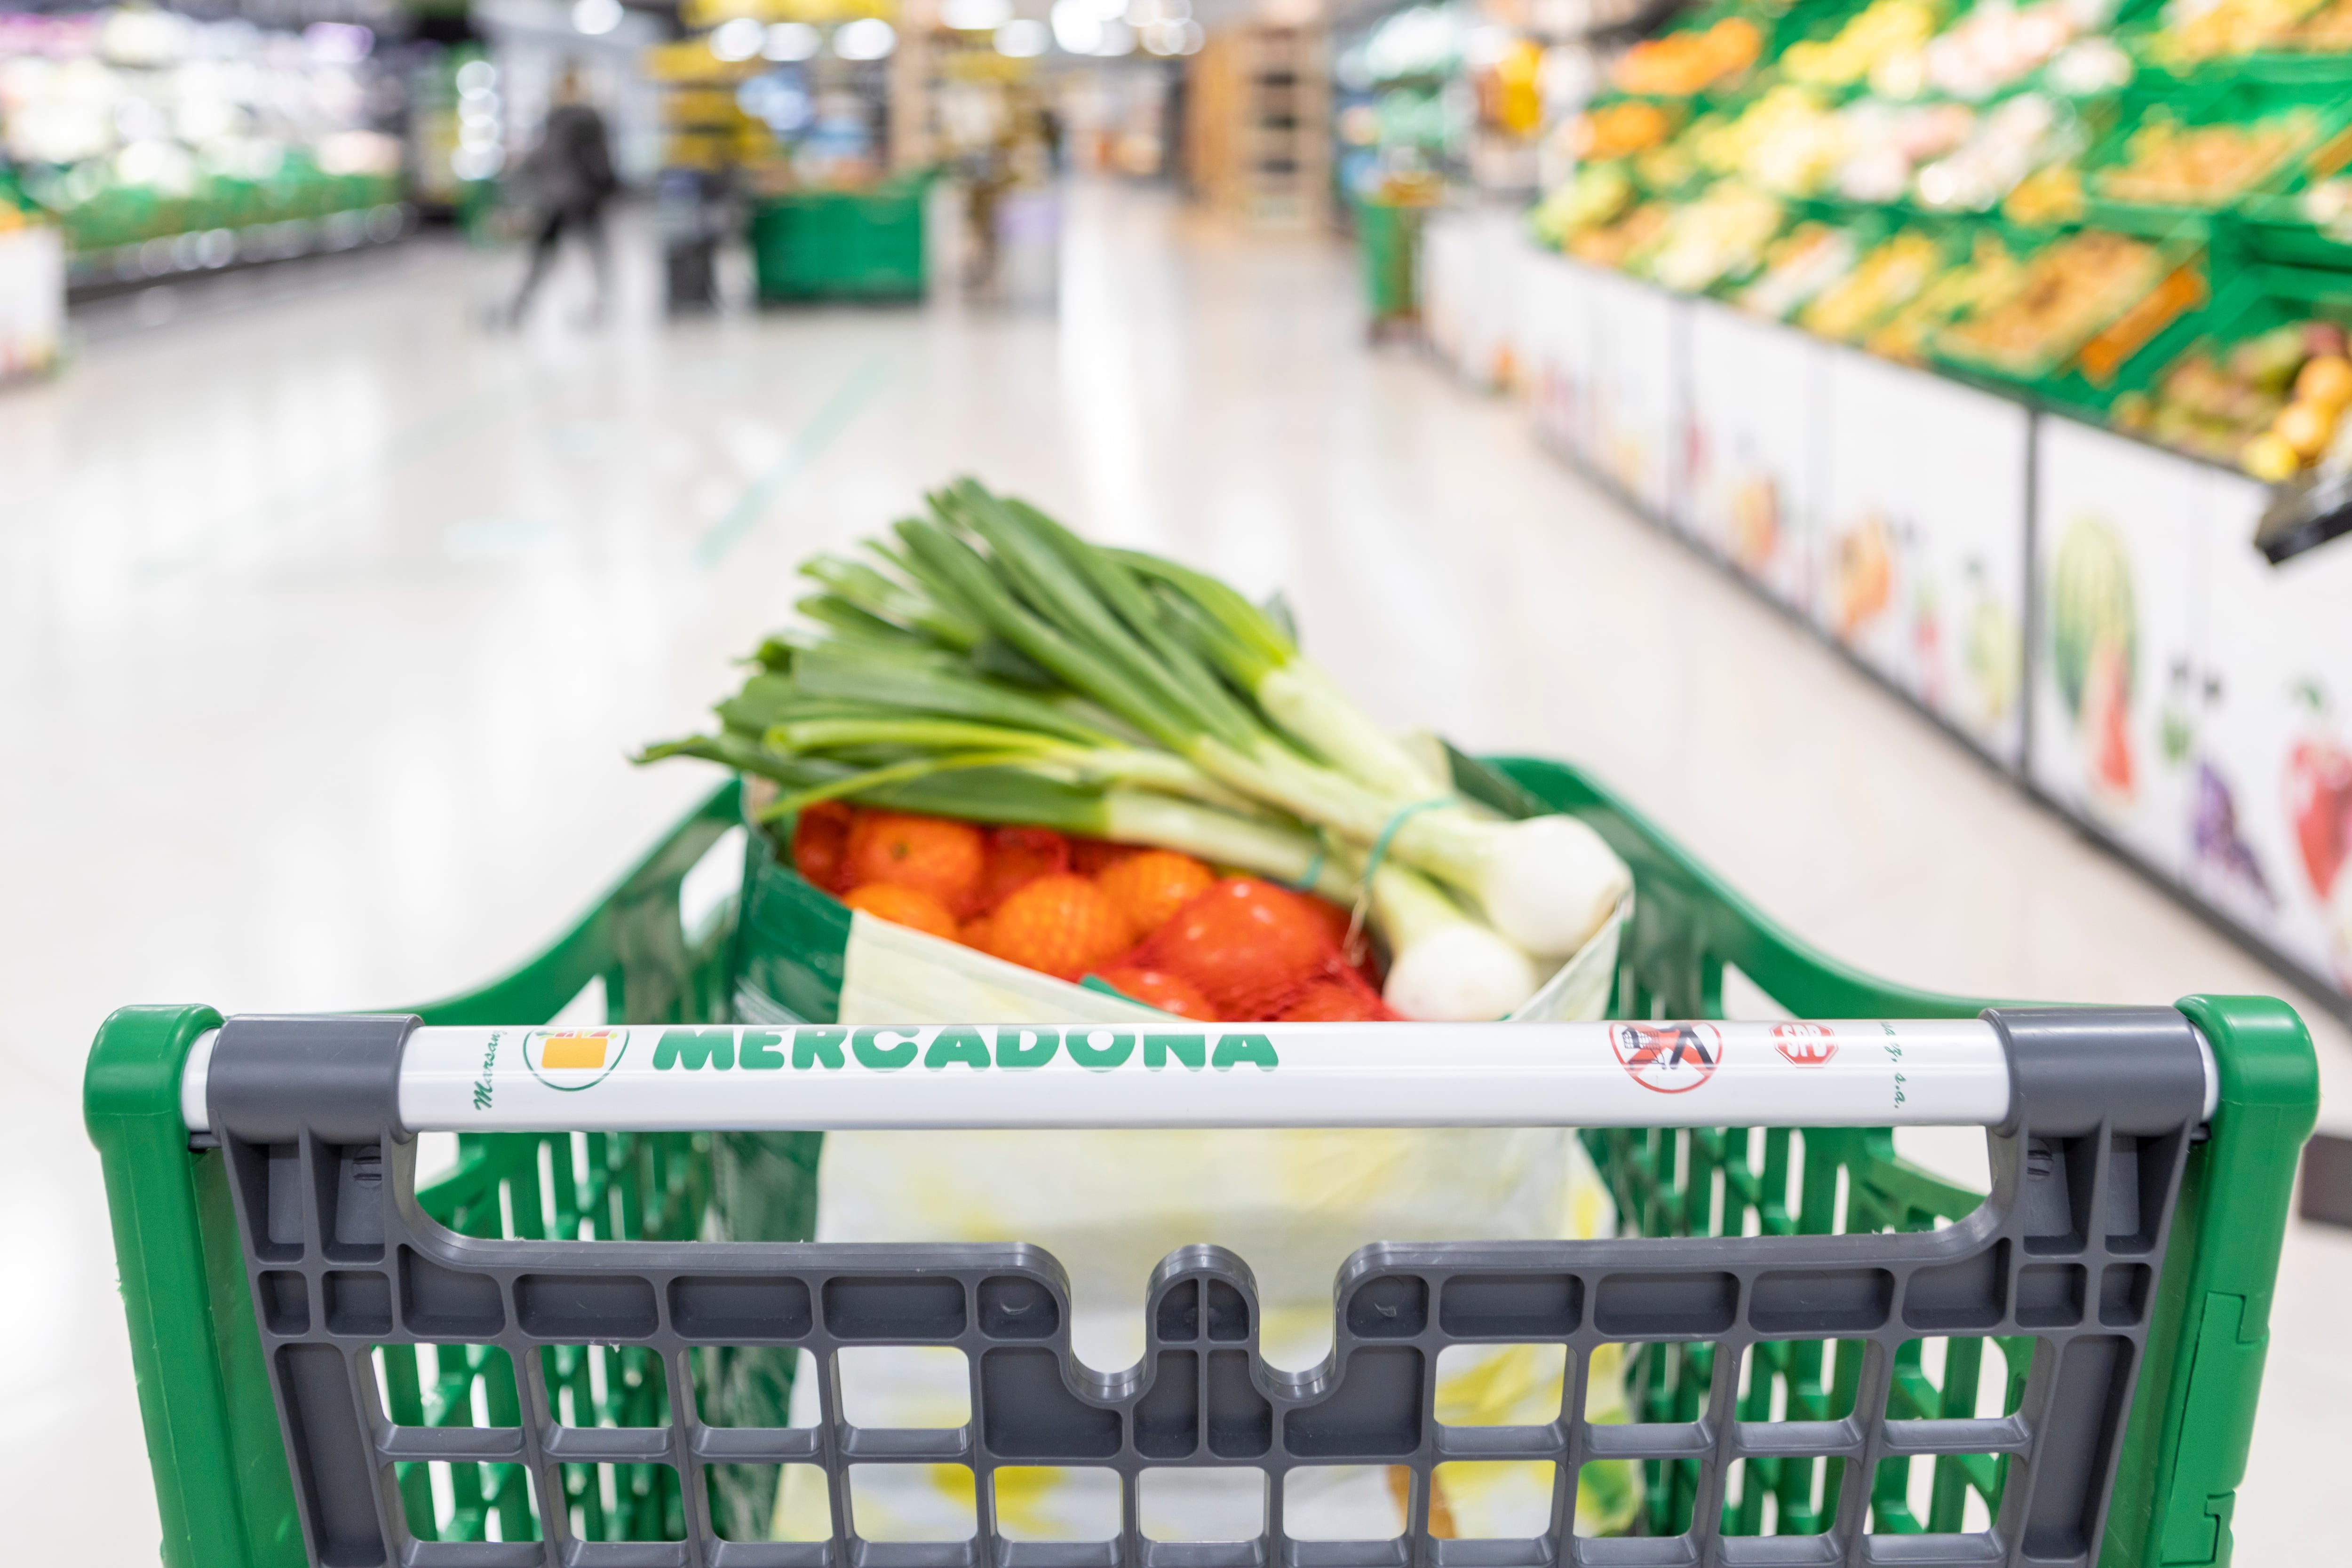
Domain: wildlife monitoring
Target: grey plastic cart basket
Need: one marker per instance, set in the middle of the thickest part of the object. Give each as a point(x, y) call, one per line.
point(2066, 1252)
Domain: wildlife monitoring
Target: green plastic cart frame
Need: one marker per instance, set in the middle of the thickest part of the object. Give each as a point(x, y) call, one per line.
point(219, 1466)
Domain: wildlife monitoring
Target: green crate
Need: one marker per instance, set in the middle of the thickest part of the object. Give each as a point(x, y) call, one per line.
point(1389, 236)
point(841, 244)
point(2126, 355)
point(2232, 101)
point(2275, 228)
point(2137, 27)
point(213, 1439)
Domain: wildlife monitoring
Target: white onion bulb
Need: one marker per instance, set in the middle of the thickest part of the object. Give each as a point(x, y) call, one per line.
point(1459, 972)
point(1550, 882)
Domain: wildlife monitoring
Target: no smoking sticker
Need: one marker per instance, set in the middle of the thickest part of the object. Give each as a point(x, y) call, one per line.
point(1668, 1058)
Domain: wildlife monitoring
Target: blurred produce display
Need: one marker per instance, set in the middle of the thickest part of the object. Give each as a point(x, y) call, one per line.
point(1406, 108)
point(1469, 96)
point(1882, 31)
point(2065, 293)
point(2090, 204)
point(2271, 402)
point(162, 143)
point(1681, 64)
point(2166, 163)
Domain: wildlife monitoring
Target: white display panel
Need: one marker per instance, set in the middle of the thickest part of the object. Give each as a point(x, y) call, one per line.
point(1474, 267)
point(1448, 282)
point(1920, 556)
point(1751, 447)
point(32, 300)
point(1636, 388)
point(2275, 732)
point(1554, 308)
point(2116, 559)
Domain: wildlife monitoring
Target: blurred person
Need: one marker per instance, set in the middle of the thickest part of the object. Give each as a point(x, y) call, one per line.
point(1050, 131)
point(568, 181)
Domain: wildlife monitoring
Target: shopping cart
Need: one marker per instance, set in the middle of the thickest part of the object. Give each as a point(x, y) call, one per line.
point(612, 1296)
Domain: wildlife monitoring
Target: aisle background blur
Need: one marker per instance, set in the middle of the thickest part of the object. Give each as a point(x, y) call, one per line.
point(326, 622)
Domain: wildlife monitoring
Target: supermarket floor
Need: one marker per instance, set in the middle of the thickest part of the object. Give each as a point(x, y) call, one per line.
point(326, 619)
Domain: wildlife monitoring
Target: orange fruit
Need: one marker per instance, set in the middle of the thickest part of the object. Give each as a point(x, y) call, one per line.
point(1061, 924)
point(1166, 992)
point(973, 933)
point(2324, 379)
point(1152, 887)
point(930, 854)
point(821, 844)
point(903, 906)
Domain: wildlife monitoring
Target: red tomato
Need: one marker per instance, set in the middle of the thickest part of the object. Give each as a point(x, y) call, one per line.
point(821, 845)
point(1245, 943)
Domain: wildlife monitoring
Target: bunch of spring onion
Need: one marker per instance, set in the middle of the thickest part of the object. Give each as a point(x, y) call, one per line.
point(985, 662)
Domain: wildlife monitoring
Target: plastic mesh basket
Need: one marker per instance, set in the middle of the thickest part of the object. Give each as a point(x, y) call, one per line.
point(228, 1497)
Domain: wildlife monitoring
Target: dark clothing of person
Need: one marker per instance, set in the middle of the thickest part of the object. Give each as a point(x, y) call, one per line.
point(587, 222)
point(573, 166)
point(569, 178)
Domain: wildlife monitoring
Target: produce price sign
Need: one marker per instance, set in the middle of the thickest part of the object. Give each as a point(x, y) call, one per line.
point(1870, 1074)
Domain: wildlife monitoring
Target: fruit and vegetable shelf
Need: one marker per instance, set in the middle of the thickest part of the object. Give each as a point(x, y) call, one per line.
point(2140, 217)
point(2091, 612)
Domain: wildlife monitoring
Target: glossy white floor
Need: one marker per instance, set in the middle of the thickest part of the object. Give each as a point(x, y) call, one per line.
point(326, 619)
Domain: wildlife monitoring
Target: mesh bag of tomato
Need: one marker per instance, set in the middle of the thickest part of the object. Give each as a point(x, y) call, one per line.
point(1155, 925)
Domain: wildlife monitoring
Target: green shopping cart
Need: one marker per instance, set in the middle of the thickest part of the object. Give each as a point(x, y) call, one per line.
point(579, 1344)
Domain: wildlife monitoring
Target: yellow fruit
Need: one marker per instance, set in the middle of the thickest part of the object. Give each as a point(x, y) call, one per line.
point(2327, 381)
point(2306, 427)
point(2269, 459)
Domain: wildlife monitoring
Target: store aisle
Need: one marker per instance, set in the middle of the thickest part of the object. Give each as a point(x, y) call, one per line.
point(326, 621)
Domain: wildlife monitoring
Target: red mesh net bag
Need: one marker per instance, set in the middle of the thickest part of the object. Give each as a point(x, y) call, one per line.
point(1259, 953)
point(1016, 857)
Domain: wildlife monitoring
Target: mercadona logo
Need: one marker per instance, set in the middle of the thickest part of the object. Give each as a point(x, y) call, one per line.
point(573, 1059)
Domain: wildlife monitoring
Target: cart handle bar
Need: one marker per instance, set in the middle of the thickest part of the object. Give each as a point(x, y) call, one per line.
point(651, 1078)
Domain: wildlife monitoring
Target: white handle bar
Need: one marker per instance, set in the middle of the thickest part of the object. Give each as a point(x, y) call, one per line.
point(640, 1077)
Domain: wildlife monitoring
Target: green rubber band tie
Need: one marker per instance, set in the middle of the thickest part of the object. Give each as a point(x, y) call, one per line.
point(1403, 815)
point(1313, 873)
point(1353, 946)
